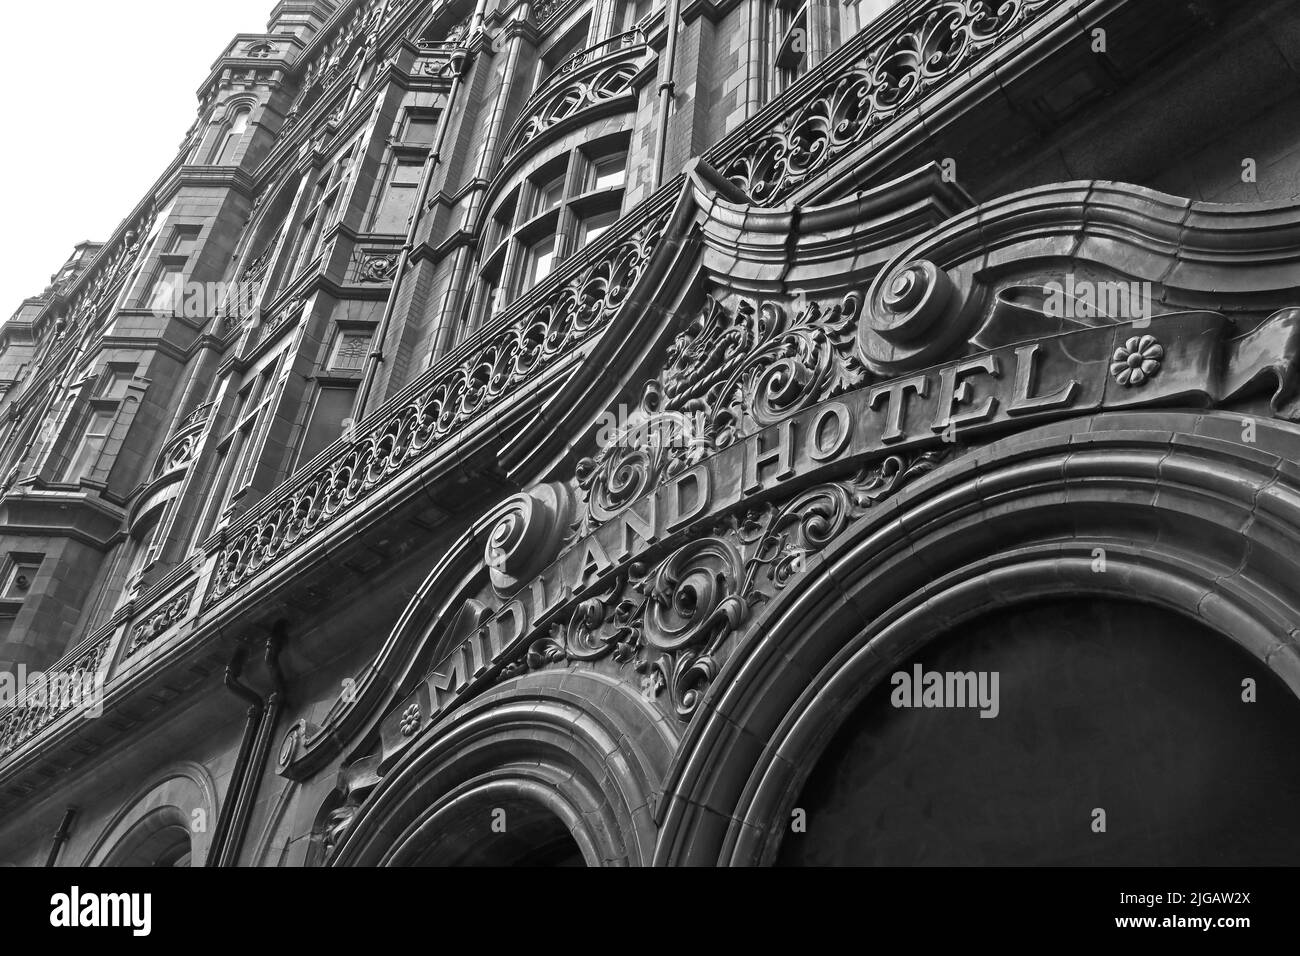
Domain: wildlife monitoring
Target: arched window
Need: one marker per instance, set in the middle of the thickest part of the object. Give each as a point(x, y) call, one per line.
point(143, 547)
point(551, 215)
point(804, 32)
point(236, 127)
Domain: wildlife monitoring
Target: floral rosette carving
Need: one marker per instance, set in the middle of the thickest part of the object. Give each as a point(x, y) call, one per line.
point(1137, 361)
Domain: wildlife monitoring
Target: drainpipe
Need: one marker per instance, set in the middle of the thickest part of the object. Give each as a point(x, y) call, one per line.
point(234, 670)
point(256, 769)
point(376, 355)
point(667, 88)
point(61, 836)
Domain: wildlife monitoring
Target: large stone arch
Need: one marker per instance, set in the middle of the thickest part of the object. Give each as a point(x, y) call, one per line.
point(151, 820)
point(577, 748)
point(1192, 516)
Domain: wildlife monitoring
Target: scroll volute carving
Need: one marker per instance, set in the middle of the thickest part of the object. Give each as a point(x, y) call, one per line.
point(526, 535)
point(912, 318)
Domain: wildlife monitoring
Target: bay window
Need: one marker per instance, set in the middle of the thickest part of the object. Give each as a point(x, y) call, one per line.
point(556, 212)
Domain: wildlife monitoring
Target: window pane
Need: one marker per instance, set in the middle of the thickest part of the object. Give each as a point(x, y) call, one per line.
point(184, 242)
point(251, 396)
point(165, 296)
point(548, 195)
point(863, 12)
point(593, 226)
point(93, 434)
point(541, 259)
point(142, 548)
point(609, 172)
point(491, 297)
point(233, 137)
point(326, 423)
point(630, 12)
point(420, 130)
point(101, 420)
point(304, 254)
point(115, 383)
point(246, 461)
point(326, 219)
point(501, 224)
point(407, 174)
point(395, 210)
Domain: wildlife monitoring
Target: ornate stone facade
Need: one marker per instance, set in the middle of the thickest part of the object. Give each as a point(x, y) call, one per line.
point(576, 414)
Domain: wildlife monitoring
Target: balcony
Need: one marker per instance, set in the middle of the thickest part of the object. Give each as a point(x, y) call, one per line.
point(589, 83)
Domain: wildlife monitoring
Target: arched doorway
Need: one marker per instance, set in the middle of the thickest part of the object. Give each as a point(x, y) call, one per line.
point(1169, 511)
point(511, 833)
point(160, 839)
point(549, 769)
point(165, 823)
point(1110, 705)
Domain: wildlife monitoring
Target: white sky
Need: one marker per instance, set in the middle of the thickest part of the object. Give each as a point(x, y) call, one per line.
point(95, 98)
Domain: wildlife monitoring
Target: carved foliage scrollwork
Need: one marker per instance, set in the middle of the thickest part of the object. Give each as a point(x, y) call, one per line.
point(160, 621)
point(377, 267)
point(729, 372)
point(754, 366)
point(526, 534)
point(669, 621)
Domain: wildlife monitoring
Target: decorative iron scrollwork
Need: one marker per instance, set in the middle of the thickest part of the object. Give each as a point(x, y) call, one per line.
point(939, 43)
point(518, 353)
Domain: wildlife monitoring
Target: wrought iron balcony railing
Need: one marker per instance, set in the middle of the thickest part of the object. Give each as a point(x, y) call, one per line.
point(597, 75)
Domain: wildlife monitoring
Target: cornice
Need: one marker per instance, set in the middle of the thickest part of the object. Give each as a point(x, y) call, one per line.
point(1242, 259)
point(709, 9)
point(207, 177)
point(79, 515)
